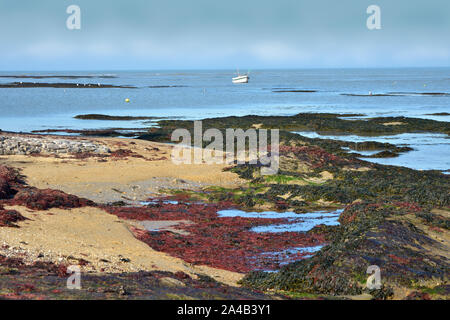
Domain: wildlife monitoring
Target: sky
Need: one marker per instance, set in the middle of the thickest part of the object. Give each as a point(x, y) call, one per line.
point(211, 34)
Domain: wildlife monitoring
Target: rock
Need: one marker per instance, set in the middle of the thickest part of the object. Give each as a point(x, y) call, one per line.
point(171, 282)
point(19, 145)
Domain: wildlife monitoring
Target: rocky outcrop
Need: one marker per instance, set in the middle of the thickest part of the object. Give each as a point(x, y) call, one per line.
point(370, 234)
point(19, 145)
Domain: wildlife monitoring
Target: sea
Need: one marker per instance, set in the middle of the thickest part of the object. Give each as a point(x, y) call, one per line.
point(199, 94)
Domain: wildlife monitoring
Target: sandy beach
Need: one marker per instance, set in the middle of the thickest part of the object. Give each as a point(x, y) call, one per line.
point(91, 233)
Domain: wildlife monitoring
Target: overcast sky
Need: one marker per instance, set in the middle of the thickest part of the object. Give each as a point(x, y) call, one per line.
point(250, 34)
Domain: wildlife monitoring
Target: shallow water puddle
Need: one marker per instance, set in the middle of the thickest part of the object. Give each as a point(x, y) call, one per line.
point(303, 250)
point(165, 225)
point(301, 226)
point(298, 222)
point(290, 255)
point(302, 222)
point(147, 203)
point(366, 153)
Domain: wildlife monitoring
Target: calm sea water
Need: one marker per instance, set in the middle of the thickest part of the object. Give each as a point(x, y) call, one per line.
point(431, 150)
point(201, 94)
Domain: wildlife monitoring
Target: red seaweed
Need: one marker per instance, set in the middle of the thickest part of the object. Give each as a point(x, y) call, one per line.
point(38, 199)
point(315, 156)
point(221, 242)
point(8, 178)
point(9, 217)
point(14, 191)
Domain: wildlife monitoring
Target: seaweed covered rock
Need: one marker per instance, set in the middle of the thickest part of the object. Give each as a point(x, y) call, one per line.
point(8, 178)
point(44, 280)
point(8, 218)
point(320, 122)
point(37, 199)
point(315, 157)
point(370, 234)
point(380, 183)
point(14, 191)
point(5, 188)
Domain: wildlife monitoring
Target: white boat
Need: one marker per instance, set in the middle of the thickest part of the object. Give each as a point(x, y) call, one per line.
point(241, 78)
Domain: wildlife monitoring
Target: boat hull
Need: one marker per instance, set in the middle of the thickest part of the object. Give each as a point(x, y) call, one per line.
point(241, 79)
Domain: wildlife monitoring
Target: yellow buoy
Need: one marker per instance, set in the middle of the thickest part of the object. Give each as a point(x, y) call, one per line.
point(127, 100)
